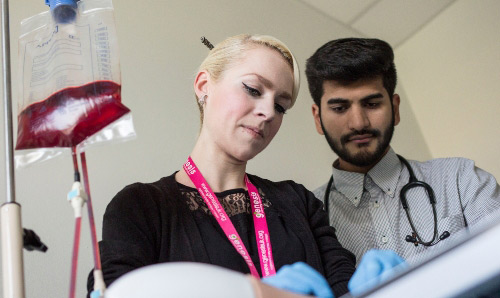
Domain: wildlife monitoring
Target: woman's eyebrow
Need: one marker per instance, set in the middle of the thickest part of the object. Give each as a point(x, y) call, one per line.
point(269, 84)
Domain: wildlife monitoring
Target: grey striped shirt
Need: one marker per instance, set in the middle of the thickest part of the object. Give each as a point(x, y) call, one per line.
point(367, 213)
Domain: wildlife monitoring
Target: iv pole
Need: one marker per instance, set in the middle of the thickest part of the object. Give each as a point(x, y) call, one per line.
point(10, 211)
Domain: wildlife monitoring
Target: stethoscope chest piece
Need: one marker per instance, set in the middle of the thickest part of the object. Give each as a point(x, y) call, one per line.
point(412, 184)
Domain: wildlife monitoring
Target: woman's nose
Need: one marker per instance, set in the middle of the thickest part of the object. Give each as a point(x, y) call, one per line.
point(265, 108)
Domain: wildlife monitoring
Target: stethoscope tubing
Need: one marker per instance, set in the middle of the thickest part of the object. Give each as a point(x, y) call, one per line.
point(412, 183)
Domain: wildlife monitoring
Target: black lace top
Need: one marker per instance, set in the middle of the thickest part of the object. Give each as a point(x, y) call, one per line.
point(236, 203)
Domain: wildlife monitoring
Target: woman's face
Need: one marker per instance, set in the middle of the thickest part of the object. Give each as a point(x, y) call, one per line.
point(246, 105)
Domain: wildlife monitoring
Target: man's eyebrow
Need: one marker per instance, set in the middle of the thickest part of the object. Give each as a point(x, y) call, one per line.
point(337, 100)
point(340, 100)
point(372, 96)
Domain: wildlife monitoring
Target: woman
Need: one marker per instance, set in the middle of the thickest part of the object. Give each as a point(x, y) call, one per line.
point(243, 88)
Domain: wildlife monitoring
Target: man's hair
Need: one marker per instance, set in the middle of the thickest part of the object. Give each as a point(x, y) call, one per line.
point(348, 60)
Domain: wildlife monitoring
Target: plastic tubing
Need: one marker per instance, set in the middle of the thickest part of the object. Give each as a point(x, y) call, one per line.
point(97, 259)
point(98, 277)
point(75, 164)
point(77, 204)
point(74, 259)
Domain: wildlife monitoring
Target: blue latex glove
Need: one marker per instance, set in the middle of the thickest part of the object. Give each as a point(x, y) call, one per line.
point(375, 267)
point(300, 278)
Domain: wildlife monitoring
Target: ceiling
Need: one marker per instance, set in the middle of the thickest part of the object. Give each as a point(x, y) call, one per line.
point(392, 20)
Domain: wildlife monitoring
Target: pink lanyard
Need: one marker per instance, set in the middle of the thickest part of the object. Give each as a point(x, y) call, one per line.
point(259, 221)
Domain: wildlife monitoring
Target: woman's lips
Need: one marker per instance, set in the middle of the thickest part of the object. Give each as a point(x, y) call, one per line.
point(254, 131)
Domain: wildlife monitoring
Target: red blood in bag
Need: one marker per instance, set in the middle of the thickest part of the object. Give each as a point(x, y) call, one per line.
point(67, 117)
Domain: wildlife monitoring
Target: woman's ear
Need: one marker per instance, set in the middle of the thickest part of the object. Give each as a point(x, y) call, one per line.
point(201, 83)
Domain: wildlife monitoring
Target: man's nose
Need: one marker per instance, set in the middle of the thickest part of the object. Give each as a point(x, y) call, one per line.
point(358, 119)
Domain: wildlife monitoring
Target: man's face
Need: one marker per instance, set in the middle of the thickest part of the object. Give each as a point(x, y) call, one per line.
point(358, 121)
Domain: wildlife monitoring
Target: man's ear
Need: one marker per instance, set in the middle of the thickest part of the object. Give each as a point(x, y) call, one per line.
point(201, 83)
point(395, 104)
point(317, 118)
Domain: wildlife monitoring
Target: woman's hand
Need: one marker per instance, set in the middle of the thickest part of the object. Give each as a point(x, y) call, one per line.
point(300, 278)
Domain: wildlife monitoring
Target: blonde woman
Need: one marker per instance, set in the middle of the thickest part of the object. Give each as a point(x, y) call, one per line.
point(211, 210)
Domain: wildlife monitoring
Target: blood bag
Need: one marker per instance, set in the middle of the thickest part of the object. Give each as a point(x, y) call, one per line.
point(70, 84)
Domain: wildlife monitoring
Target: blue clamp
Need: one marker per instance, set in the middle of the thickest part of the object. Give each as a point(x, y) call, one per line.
point(55, 3)
point(96, 294)
point(63, 11)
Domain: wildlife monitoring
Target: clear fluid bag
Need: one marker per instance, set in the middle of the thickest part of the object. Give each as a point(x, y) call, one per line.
point(70, 84)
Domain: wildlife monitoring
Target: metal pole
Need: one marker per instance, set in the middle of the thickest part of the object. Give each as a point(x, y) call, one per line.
point(7, 96)
point(10, 212)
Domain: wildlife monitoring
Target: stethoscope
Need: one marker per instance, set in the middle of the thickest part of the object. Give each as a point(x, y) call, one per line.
point(412, 183)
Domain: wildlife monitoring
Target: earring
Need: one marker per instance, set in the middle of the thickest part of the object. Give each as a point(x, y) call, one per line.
point(203, 99)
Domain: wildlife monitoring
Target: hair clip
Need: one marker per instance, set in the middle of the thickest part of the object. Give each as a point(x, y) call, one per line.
point(207, 43)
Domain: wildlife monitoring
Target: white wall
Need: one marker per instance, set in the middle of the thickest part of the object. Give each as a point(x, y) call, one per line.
point(451, 72)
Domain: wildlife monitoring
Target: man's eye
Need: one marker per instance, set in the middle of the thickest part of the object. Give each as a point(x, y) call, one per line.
point(252, 91)
point(338, 109)
point(372, 104)
point(279, 108)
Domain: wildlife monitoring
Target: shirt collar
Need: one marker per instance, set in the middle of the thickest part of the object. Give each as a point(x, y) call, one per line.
point(385, 174)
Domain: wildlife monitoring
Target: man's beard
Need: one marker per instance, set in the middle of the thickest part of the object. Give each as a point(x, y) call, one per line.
point(361, 159)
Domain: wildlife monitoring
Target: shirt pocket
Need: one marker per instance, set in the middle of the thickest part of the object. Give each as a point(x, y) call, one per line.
point(452, 224)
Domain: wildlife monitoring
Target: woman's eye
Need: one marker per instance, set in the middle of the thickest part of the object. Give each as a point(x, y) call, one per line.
point(252, 91)
point(279, 108)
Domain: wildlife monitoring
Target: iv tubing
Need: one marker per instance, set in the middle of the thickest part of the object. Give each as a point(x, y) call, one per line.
point(75, 163)
point(74, 260)
point(77, 204)
point(99, 284)
point(97, 259)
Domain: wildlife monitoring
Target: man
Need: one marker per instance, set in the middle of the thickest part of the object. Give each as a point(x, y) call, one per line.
point(352, 82)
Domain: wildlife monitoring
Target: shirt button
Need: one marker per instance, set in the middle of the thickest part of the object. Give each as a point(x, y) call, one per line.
point(376, 204)
point(384, 239)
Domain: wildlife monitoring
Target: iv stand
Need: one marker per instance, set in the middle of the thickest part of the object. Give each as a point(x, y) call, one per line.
point(10, 211)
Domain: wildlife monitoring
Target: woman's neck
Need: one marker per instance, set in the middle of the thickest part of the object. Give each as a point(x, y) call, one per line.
point(221, 171)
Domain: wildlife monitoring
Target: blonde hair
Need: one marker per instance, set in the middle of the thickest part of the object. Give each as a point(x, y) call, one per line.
point(232, 49)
